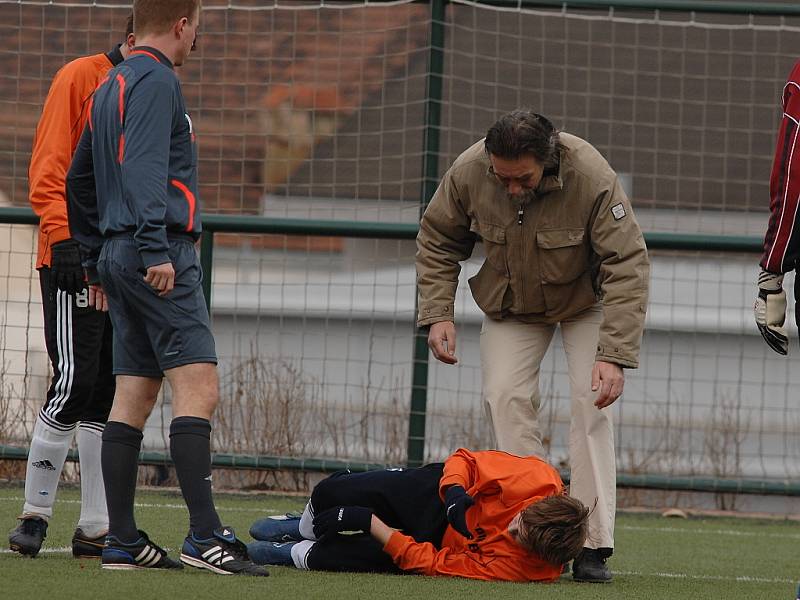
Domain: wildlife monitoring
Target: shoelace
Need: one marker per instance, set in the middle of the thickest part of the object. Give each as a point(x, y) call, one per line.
point(238, 549)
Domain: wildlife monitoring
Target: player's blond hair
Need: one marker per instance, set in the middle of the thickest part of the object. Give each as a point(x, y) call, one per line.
point(555, 528)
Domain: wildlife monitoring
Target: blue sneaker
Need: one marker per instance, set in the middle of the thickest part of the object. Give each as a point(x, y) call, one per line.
point(271, 553)
point(141, 554)
point(222, 554)
point(277, 529)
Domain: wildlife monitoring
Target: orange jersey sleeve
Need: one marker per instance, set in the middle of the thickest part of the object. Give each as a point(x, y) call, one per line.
point(63, 117)
point(425, 559)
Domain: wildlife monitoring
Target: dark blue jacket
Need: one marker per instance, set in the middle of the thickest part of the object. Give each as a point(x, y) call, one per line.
point(135, 167)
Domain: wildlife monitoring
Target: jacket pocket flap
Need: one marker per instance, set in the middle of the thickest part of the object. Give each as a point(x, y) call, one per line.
point(489, 232)
point(559, 238)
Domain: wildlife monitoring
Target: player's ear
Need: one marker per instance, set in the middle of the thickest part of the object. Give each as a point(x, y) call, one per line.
point(130, 41)
point(179, 26)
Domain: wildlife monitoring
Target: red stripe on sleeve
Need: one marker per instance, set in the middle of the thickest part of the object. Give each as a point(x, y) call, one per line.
point(189, 199)
point(121, 81)
point(121, 148)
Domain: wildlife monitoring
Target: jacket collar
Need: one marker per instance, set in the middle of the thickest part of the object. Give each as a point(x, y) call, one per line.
point(115, 56)
point(152, 53)
point(551, 179)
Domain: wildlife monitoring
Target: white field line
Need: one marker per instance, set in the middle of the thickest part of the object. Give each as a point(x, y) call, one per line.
point(730, 532)
point(151, 505)
point(739, 579)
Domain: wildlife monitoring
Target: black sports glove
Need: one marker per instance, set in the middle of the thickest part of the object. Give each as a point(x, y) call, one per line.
point(342, 518)
point(770, 311)
point(65, 267)
point(457, 501)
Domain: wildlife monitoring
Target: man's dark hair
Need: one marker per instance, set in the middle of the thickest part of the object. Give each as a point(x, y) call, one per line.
point(157, 16)
point(524, 133)
point(129, 26)
point(555, 528)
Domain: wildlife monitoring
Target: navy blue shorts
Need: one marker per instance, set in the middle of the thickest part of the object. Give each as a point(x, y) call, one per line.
point(151, 333)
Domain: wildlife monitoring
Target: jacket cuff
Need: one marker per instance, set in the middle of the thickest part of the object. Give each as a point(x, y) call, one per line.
point(154, 257)
point(449, 480)
point(396, 544)
point(613, 355)
point(92, 276)
point(435, 314)
point(58, 234)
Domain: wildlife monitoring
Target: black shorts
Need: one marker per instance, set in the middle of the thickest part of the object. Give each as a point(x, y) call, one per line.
point(405, 499)
point(78, 340)
point(151, 333)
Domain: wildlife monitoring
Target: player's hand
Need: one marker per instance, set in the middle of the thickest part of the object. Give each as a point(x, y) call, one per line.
point(457, 501)
point(608, 379)
point(442, 341)
point(342, 518)
point(65, 267)
point(770, 311)
point(161, 278)
point(97, 298)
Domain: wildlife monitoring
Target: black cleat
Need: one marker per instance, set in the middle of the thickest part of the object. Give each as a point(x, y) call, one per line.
point(141, 554)
point(222, 554)
point(28, 536)
point(84, 546)
point(590, 566)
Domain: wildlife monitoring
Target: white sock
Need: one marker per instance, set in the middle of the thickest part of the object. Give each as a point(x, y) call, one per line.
point(306, 525)
point(49, 447)
point(94, 513)
point(300, 553)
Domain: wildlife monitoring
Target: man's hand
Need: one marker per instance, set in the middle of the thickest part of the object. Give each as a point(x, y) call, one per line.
point(161, 278)
point(342, 518)
point(97, 298)
point(609, 379)
point(442, 341)
point(65, 267)
point(456, 502)
point(770, 311)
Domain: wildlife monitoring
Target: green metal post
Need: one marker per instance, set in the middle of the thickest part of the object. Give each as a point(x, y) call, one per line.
point(430, 176)
point(206, 263)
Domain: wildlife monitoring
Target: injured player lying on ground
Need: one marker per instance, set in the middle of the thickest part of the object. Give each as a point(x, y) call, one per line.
point(482, 515)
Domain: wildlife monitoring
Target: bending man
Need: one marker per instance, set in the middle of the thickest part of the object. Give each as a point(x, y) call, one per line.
point(563, 249)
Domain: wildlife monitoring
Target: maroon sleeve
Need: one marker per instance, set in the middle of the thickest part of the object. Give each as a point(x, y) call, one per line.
point(782, 241)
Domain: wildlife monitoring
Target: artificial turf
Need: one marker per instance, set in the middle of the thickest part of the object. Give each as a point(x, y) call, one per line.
point(696, 558)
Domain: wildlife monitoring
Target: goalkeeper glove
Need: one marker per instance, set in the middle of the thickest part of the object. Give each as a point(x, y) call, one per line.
point(770, 311)
point(65, 267)
point(457, 501)
point(342, 518)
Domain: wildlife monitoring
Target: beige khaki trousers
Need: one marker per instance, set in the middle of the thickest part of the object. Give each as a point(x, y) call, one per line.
point(511, 356)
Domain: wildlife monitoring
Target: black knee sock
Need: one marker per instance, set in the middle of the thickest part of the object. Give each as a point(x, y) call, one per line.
point(119, 456)
point(190, 445)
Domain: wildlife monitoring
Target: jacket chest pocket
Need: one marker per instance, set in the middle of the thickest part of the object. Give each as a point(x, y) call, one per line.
point(563, 255)
point(494, 244)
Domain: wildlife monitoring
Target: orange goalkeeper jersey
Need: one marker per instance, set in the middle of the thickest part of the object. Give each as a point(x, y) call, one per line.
point(502, 485)
point(60, 126)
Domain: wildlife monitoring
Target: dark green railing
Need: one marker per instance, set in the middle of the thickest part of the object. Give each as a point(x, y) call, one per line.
point(261, 463)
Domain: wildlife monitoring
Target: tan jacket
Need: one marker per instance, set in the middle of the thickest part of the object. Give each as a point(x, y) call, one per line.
point(578, 243)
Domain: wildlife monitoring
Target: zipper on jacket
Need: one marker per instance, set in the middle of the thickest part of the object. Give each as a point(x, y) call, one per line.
point(520, 211)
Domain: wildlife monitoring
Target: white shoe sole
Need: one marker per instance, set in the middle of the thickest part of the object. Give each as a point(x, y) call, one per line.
point(201, 564)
